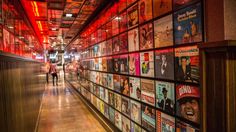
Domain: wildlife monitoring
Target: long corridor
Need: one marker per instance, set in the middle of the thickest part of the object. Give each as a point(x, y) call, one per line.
point(63, 111)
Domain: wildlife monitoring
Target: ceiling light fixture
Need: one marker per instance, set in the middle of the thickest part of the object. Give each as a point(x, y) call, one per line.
point(69, 15)
point(54, 29)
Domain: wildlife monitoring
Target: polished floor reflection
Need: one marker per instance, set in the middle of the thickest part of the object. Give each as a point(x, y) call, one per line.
point(63, 111)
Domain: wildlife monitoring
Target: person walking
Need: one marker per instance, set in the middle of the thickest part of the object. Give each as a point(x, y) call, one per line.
point(47, 71)
point(53, 71)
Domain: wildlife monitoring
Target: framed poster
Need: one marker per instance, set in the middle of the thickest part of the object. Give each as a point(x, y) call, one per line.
point(145, 10)
point(187, 64)
point(146, 36)
point(188, 25)
point(161, 7)
point(163, 32)
point(187, 99)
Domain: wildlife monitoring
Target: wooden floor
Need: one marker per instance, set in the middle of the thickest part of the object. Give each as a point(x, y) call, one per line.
point(63, 111)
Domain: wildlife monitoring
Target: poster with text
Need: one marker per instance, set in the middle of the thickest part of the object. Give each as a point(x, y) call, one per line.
point(188, 102)
point(187, 64)
point(188, 25)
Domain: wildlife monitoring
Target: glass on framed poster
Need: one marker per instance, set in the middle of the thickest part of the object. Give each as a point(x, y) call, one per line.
point(116, 82)
point(104, 64)
point(97, 50)
point(109, 29)
point(134, 66)
point(136, 111)
point(106, 96)
point(132, 14)
point(185, 127)
point(161, 7)
point(180, 3)
point(188, 25)
point(116, 64)
point(133, 40)
point(118, 122)
point(188, 102)
point(148, 91)
point(100, 64)
point(103, 48)
point(102, 109)
point(99, 33)
point(147, 64)
point(135, 89)
point(102, 93)
point(106, 110)
point(111, 98)
point(125, 106)
point(112, 115)
point(187, 64)
point(124, 85)
point(123, 43)
point(116, 45)
point(110, 81)
point(165, 96)
point(117, 99)
point(109, 46)
point(164, 63)
point(109, 64)
point(165, 123)
point(135, 127)
point(125, 124)
point(124, 67)
point(146, 36)
point(145, 10)
point(148, 118)
point(123, 21)
point(103, 32)
point(163, 32)
point(104, 79)
point(115, 26)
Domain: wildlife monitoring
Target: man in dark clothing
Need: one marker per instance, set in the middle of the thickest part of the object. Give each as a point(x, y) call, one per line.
point(53, 72)
point(166, 104)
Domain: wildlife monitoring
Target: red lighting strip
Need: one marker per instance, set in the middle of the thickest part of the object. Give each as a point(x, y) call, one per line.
point(35, 8)
point(39, 25)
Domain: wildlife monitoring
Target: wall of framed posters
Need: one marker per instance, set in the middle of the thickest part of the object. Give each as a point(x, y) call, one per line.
point(143, 75)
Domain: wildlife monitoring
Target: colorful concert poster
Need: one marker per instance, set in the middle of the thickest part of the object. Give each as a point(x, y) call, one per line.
point(147, 64)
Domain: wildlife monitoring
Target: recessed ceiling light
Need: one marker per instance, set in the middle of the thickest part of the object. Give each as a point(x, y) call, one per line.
point(69, 15)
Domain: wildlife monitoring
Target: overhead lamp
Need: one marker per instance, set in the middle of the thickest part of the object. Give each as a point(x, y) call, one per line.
point(69, 15)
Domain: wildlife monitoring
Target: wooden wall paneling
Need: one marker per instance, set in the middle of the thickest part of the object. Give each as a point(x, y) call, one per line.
point(3, 124)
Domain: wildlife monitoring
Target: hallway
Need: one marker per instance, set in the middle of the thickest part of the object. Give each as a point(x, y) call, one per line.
point(63, 111)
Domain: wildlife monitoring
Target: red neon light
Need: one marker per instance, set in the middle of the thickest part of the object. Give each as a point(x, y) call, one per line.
point(39, 25)
point(35, 8)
